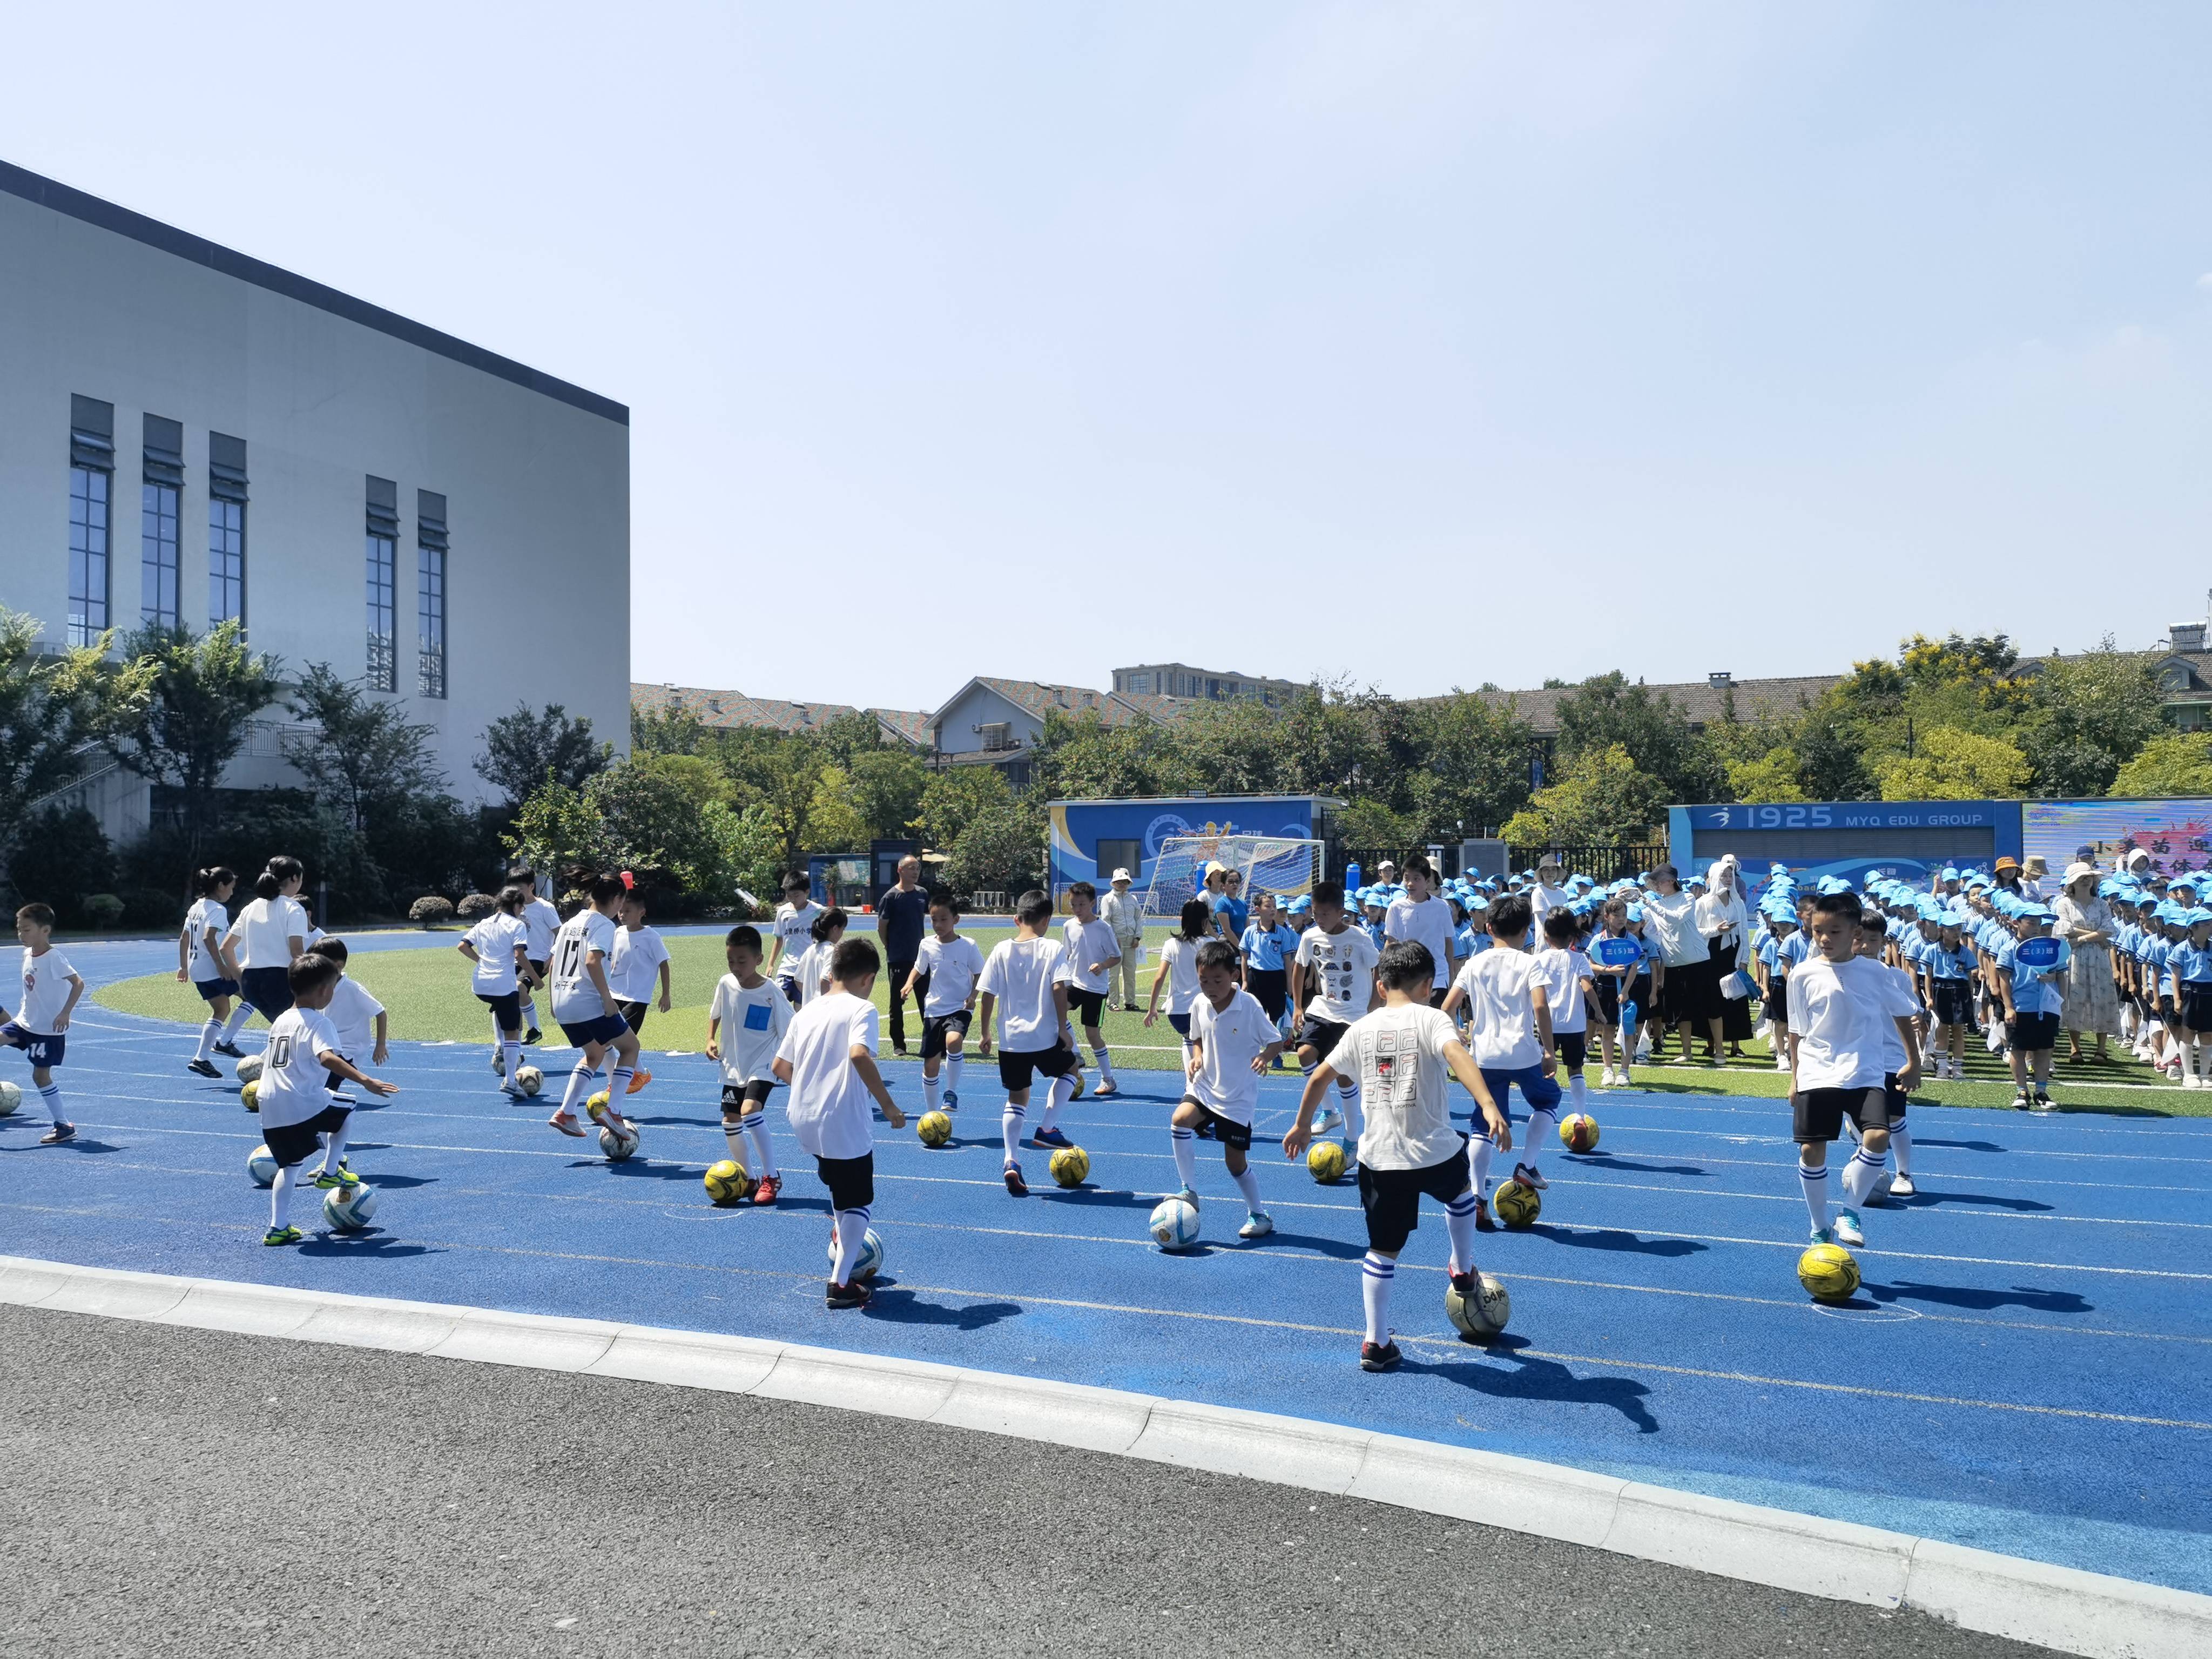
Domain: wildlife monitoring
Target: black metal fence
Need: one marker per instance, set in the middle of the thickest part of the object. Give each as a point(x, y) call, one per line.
point(1600, 863)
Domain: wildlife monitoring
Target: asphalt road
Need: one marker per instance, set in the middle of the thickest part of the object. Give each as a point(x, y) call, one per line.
point(179, 1491)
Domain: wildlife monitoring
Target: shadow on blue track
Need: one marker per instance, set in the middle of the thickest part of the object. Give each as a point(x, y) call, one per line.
point(360, 1247)
point(679, 1122)
point(1982, 1301)
point(398, 1180)
point(1337, 1249)
point(1925, 1199)
point(902, 1307)
point(1615, 1238)
point(638, 1169)
point(1607, 1161)
point(1090, 1198)
point(1959, 1145)
point(80, 1144)
point(1542, 1379)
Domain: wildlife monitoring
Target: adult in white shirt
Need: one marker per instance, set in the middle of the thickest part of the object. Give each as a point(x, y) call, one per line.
point(1123, 910)
point(270, 932)
point(1723, 919)
point(1683, 980)
point(1549, 894)
point(1421, 916)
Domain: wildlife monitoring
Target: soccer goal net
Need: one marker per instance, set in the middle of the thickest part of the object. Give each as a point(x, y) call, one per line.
point(1280, 865)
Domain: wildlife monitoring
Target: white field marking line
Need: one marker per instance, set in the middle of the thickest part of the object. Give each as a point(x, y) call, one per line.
point(2006, 1180)
point(1611, 1362)
point(2186, 1128)
point(1733, 1139)
point(1287, 1203)
point(1788, 1198)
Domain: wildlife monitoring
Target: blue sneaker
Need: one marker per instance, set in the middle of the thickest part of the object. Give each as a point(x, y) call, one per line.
point(952, 1100)
point(1848, 1228)
point(1822, 1235)
point(1051, 1138)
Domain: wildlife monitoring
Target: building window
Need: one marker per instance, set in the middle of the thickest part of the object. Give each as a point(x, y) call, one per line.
point(161, 484)
point(383, 583)
point(92, 476)
point(430, 575)
point(1140, 684)
point(998, 735)
point(226, 530)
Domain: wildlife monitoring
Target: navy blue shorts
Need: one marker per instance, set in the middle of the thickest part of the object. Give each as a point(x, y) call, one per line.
point(1541, 1093)
point(606, 1029)
point(209, 989)
point(269, 989)
point(41, 1051)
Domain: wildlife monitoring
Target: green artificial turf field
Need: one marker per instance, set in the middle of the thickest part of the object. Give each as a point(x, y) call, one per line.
point(427, 994)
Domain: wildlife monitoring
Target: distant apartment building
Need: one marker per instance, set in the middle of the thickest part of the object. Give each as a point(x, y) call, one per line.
point(1179, 679)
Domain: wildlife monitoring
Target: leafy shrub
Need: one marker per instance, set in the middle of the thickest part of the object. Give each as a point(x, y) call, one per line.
point(61, 858)
point(476, 907)
point(102, 910)
point(431, 909)
point(149, 907)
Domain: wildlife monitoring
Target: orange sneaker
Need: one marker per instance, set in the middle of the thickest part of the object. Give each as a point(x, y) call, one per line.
point(638, 1079)
point(766, 1192)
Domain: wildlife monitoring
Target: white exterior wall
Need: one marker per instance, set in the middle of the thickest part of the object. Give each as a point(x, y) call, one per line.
point(978, 705)
point(537, 489)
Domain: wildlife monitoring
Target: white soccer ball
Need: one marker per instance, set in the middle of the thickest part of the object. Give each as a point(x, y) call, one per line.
point(249, 1069)
point(529, 1079)
point(349, 1211)
point(872, 1255)
point(1174, 1223)
point(11, 1099)
point(498, 1062)
point(616, 1146)
point(261, 1164)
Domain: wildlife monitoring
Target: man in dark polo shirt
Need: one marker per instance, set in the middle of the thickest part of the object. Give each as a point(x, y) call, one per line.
point(902, 918)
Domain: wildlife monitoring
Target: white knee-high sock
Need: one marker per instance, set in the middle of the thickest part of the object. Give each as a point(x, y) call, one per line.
point(852, 1238)
point(1542, 1126)
point(1578, 1091)
point(510, 1051)
point(933, 1091)
point(334, 1147)
point(754, 1125)
point(280, 1196)
point(1459, 1223)
point(50, 1095)
point(1184, 1144)
point(529, 1012)
point(1815, 1183)
point(211, 1033)
point(1375, 1273)
point(1010, 1126)
point(1105, 1063)
point(1248, 1184)
point(239, 1016)
point(1900, 1142)
point(1859, 1174)
point(618, 1087)
point(1347, 1097)
point(1063, 1091)
point(579, 1084)
point(954, 1064)
point(1480, 1149)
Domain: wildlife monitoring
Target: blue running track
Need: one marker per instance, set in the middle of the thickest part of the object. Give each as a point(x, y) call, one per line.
point(2028, 1367)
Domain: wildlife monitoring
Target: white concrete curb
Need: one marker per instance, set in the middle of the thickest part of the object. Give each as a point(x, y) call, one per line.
point(2082, 1612)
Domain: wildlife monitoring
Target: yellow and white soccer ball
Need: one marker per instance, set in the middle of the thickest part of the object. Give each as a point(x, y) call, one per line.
point(729, 1182)
point(1517, 1204)
point(1578, 1133)
point(1829, 1273)
point(1071, 1166)
point(1325, 1162)
point(934, 1128)
point(597, 1102)
point(250, 1096)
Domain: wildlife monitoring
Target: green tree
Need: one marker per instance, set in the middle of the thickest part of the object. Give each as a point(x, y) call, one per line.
point(522, 749)
point(781, 776)
point(1603, 799)
point(61, 857)
point(885, 786)
point(1606, 711)
point(654, 810)
point(1771, 777)
point(670, 730)
point(54, 708)
point(1474, 768)
point(202, 693)
point(2175, 765)
point(2087, 716)
point(1948, 764)
point(370, 765)
point(558, 830)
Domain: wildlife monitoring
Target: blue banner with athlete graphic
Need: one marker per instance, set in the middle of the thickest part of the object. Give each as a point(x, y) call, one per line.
point(1090, 839)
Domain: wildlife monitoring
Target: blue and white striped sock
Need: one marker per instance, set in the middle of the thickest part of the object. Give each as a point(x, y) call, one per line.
point(1375, 1273)
point(1815, 1183)
point(52, 1094)
point(1860, 1174)
point(1184, 1144)
point(1010, 1128)
point(754, 1126)
point(852, 1237)
point(1459, 1223)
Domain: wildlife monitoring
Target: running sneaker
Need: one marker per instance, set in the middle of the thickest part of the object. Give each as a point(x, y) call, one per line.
point(343, 1177)
point(1328, 1120)
point(1258, 1224)
point(845, 1296)
point(2020, 1101)
point(283, 1235)
point(1483, 1224)
point(2043, 1103)
point(230, 1050)
point(202, 1068)
point(1822, 1235)
point(1528, 1175)
point(951, 1101)
point(1185, 1196)
point(533, 1034)
point(2191, 1080)
point(1382, 1358)
point(57, 1134)
point(766, 1192)
point(1605, 1079)
point(1900, 1186)
point(1106, 1090)
point(1848, 1230)
point(1051, 1138)
point(1015, 1184)
point(638, 1079)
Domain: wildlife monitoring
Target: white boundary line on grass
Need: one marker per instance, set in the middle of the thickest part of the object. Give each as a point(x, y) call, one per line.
point(2074, 1611)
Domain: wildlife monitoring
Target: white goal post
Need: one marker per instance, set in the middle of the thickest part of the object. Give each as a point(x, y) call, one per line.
point(1282, 865)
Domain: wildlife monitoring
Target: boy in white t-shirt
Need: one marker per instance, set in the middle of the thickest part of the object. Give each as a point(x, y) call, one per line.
point(745, 1023)
point(1839, 1004)
point(943, 980)
point(1401, 1052)
point(1093, 953)
point(794, 933)
point(1232, 1043)
point(357, 1019)
point(828, 1057)
point(40, 1024)
point(1331, 986)
point(591, 1017)
point(1569, 984)
point(1420, 916)
point(1509, 1032)
point(1023, 982)
point(297, 1110)
point(498, 948)
point(542, 922)
point(639, 961)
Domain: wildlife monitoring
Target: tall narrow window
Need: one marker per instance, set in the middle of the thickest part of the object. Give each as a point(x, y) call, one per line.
point(161, 485)
point(92, 476)
point(430, 574)
point(226, 530)
point(383, 552)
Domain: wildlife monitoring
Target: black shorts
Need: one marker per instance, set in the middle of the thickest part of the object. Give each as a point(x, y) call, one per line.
point(1776, 1003)
point(537, 968)
point(2032, 1033)
point(269, 989)
point(1085, 1007)
point(43, 1050)
point(633, 1015)
point(1820, 1112)
point(1436, 995)
point(506, 1008)
point(1227, 1130)
point(740, 1097)
point(936, 1027)
point(2166, 1012)
point(1271, 990)
point(1016, 1066)
point(1573, 1048)
point(295, 1143)
point(1954, 1002)
point(209, 989)
point(602, 1030)
point(2196, 1006)
point(1392, 1198)
point(1321, 1036)
point(1605, 1005)
point(851, 1181)
point(1895, 1098)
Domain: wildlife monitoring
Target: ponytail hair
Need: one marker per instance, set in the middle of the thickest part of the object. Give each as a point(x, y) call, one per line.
point(1197, 920)
point(831, 920)
point(213, 879)
point(282, 868)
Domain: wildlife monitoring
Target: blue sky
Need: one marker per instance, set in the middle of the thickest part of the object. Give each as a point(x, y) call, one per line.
point(1422, 345)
